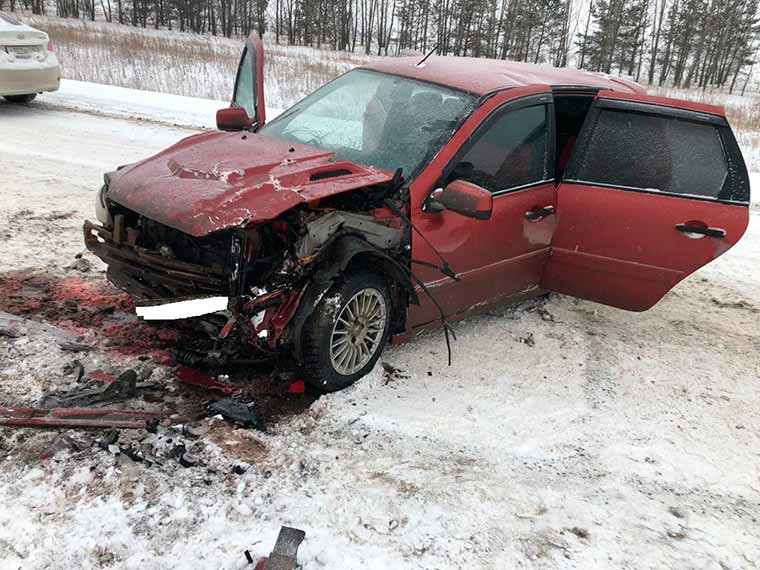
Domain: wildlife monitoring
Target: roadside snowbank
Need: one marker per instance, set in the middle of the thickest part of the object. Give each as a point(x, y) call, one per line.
point(119, 102)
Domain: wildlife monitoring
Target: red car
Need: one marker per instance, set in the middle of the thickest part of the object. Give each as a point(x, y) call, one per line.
point(405, 193)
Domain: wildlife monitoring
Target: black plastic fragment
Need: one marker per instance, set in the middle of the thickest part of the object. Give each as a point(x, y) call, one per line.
point(237, 412)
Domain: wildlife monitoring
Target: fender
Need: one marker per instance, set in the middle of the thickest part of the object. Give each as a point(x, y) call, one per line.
point(332, 264)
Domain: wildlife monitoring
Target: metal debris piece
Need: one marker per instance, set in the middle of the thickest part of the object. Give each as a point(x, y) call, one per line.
point(75, 366)
point(77, 417)
point(195, 377)
point(285, 550)
point(237, 412)
point(71, 346)
point(321, 229)
point(188, 460)
point(123, 388)
point(109, 437)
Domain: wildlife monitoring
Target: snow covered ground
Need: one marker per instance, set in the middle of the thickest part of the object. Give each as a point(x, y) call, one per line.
point(565, 435)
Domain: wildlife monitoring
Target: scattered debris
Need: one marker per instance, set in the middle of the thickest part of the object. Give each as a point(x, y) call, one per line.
point(188, 460)
point(284, 553)
point(77, 417)
point(676, 512)
point(195, 377)
point(80, 264)
point(75, 367)
point(135, 454)
point(527, 340)
point(237, 412)
point(108, 438)
point(392, 374)
point(123, 388)
point(579, 532)
point(193, 432)
point(62, 442)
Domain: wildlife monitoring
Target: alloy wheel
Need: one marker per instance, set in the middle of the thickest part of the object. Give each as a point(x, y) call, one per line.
point(358, 331)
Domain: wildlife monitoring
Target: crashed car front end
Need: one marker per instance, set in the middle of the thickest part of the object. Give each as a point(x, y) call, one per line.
point(298, 228)
point(260, 279)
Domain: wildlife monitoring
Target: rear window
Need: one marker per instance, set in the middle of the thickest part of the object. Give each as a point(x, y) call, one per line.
point(654, 152)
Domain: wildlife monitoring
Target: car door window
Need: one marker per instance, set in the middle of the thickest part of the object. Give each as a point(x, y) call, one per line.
point(508, 152)
point(652, 152)
point(244, 88)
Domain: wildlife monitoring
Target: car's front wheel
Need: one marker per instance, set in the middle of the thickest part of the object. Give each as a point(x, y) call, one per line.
point(347, 331)
point(20, 98)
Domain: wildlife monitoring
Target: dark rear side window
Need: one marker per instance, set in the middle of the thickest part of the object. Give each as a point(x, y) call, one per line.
point(658, 153)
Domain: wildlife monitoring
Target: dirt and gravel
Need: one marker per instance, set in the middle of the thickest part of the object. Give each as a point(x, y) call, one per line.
point(564, 435)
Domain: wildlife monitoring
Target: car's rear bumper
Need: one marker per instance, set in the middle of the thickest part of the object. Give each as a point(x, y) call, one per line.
point(29, 78)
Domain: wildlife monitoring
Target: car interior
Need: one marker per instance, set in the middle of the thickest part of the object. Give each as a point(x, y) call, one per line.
point(570, 111)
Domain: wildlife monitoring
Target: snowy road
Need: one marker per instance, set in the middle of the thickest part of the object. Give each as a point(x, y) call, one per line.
point(565, 435)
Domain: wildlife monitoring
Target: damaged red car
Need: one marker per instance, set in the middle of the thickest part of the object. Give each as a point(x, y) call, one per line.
point(405, 193)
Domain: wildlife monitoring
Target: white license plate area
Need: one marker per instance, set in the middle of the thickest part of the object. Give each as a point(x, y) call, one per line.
point(23, 52)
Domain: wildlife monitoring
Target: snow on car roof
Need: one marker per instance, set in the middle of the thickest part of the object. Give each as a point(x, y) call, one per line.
point(480, 75)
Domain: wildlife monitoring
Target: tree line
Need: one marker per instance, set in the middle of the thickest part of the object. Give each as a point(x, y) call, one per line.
point(685, 43)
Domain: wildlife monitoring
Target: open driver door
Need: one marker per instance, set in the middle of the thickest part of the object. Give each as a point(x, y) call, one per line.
point(653, 192)
point(247, 110)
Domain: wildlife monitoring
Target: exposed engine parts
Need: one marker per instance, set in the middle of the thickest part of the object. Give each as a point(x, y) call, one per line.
point(325, 226)
point(272, 273)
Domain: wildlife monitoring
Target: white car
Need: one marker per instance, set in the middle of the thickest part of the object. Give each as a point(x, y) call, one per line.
point(28, 64)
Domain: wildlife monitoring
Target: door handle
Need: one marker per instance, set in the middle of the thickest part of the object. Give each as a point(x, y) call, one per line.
point(533, 215)
point(705, 231)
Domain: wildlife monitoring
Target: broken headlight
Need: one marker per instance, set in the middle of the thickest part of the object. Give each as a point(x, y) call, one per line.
point(101, 209)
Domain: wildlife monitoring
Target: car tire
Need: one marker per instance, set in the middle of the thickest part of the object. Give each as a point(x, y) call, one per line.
point(23, 99)
point(340, 347)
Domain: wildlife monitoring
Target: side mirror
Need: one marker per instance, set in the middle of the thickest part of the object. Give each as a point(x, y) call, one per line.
point(232, 119)
point(463, 198)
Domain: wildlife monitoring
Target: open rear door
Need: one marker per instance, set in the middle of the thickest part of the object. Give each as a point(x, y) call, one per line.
point(249, 83)
point(652, 193)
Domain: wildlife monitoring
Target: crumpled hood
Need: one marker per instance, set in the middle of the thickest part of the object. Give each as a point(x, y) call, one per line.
point(212, 181)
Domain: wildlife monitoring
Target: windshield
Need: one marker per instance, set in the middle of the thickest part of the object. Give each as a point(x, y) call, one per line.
point(380, 120)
